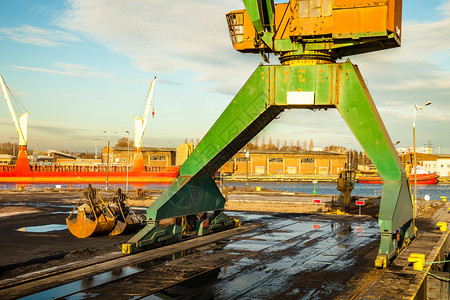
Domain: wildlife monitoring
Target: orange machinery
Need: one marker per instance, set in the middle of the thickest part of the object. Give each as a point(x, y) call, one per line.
point(336, 27)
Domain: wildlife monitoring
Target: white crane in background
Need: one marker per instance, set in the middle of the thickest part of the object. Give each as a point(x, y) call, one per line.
point(21, 125)
point(22, 163)
point(139, 130)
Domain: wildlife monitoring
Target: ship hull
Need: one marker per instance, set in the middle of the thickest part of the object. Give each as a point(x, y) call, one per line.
point(421, 179)
point(71, 176)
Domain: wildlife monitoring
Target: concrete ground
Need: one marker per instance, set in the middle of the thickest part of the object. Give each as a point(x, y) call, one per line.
point(321, 253)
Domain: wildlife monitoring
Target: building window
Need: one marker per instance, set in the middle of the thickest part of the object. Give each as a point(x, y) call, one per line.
point(275, 159)
point(307, 160)
point(292, 170)
point(158, 157)
point(259, 169)
point(124, 159)
point(241, 159)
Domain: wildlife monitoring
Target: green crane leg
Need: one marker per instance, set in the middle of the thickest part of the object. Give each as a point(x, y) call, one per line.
point(269, 91)
point(396, 211)
point(194, 190)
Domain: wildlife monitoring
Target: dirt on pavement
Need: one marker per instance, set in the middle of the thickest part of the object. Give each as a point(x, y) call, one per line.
point(24, 252)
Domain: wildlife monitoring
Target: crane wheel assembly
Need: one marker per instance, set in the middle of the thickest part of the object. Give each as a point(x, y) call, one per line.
point(172, 230)
point(96, 217)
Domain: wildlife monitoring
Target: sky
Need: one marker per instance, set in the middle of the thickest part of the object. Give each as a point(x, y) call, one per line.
point(82, 67)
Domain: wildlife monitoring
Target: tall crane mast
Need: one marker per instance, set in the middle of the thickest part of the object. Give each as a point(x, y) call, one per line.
point(139, 131)
point(141, 123)
point(21, 124)
point(22, 163)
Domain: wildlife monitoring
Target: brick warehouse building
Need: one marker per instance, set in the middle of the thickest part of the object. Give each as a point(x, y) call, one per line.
point(259, 161)
point(153, 157)
point(286, 162)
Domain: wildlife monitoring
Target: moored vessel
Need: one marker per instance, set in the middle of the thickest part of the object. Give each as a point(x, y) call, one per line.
point(426, 178)
point(138, 173)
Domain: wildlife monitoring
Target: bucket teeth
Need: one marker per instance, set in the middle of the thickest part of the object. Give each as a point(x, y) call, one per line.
point(95, 217)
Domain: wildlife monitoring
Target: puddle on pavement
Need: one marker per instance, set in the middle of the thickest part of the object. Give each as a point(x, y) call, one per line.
point(60, 212)
point(43, 228)
point(250, 245)
point(247, 217)
point(73, 290)
point(305, 250)
point(305, 247)
point(37, 204)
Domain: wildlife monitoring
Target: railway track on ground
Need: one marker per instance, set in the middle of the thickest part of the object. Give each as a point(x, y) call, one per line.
point(52, 278)
point(174, 270)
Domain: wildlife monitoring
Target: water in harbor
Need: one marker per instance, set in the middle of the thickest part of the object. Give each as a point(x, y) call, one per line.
point(43, 228)
point(102, 186)
point(435, 191)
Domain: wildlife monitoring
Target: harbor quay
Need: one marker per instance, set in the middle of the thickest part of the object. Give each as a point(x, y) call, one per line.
point(276, 226)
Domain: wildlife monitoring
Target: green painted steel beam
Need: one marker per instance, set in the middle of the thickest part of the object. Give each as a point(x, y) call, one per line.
point(358, 110)
point(262, 14)
point(269, 91)
point(360, 113)
point(194, 191)
point(255, 14)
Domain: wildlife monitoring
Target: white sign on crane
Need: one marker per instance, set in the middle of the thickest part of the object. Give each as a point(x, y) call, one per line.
point(22, 124)
point(141, 123)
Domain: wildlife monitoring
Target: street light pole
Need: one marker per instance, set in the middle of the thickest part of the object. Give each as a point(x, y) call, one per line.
point(13, 144)
point(349, 155)
point(96, 147)
point(107, 157)
point(128, 158)
point(416, 108)
point(247, 157)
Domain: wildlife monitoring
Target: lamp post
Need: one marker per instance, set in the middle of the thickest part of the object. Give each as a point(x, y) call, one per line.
point(349, 155)
point(315, 179)
point(128, 158)
point(107, 156)
point(247, 158)
point(13, 144)
point(96, 147)
point(416, 108)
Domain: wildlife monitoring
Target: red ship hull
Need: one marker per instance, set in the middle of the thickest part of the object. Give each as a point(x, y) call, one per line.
point(23, 173)
point(421, 179)
point(79, 174)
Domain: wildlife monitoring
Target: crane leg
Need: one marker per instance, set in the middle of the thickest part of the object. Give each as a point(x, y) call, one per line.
point(194, 190)
point(269, 91)
point(396, 211)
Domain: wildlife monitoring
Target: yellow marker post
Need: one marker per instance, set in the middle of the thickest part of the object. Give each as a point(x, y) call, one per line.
point(380, 262)
point(418, 261)
point(442, 226)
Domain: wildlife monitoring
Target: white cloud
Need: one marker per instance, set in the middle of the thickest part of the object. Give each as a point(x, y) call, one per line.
point(66, 69)
point(167, 36)
point(164, 37)
point(37, 36)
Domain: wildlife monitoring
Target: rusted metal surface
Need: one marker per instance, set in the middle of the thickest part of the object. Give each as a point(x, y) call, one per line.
point(83, 227)
point(319, 25)
point(95, 217)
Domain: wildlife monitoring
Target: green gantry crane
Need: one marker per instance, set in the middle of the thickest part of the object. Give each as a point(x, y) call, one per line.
point(308, 36)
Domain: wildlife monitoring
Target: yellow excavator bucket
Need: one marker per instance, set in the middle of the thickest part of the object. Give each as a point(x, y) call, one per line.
point(131, 223)
point(83, 227)
point(95, 217)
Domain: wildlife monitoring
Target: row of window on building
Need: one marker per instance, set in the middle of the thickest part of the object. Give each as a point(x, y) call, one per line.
point(292, 163)
point(440, 166)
